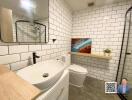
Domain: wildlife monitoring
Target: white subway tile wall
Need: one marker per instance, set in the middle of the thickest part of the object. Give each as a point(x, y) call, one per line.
point(18, 49)
point(6, 59)
point(3, 50)
point(105, 26)
point(60, 28)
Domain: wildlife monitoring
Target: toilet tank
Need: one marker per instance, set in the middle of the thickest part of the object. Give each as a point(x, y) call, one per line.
point(66, 58)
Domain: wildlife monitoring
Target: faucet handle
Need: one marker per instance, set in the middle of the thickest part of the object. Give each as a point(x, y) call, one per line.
point(34, 57)
point(34, 53)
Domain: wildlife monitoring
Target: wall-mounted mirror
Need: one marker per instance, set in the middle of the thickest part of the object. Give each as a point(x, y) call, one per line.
point(24, 21)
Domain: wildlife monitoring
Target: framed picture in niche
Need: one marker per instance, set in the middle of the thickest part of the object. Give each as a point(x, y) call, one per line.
point(82, 45)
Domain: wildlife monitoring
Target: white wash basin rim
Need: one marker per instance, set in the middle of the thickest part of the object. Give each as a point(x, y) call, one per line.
point(34, 73)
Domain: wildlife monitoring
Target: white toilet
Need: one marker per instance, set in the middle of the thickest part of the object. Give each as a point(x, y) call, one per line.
point(77, 73)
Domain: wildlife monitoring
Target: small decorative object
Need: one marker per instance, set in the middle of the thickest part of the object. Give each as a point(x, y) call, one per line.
point(107, 52)
point(53, 40)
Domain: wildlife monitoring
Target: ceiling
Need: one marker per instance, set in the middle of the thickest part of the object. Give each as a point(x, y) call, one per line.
point(83, 4)
point(38, 13)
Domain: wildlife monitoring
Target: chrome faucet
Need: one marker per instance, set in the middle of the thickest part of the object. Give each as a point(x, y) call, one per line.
point(34, 57)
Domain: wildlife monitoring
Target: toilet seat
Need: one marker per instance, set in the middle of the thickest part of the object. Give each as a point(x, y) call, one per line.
point(78, 69)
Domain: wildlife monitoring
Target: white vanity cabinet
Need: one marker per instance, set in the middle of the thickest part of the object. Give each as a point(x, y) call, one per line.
point(60, 91)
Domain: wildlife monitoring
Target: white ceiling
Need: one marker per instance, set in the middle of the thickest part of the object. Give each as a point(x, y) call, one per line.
point(83, 4)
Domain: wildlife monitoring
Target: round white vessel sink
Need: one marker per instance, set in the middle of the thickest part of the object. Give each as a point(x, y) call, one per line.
point(43, 74)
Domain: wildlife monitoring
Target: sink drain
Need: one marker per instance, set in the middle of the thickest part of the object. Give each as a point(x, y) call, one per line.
point(45, 75)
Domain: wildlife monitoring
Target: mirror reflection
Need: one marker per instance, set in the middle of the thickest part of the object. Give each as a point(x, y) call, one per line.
point(24, 21)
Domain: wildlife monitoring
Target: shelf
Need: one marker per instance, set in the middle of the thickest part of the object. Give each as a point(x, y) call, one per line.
point(95, 55)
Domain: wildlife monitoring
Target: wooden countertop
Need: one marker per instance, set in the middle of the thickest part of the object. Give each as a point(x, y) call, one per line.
point(12, 87)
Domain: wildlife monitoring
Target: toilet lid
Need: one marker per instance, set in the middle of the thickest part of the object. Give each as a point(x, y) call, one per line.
point(77, 68)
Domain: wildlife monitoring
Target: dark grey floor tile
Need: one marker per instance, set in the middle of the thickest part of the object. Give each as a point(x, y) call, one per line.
point(93, 90)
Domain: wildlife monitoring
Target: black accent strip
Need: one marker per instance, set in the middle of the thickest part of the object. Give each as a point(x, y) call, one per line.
point(122, 97)
point(126, 46)
point(122, 42)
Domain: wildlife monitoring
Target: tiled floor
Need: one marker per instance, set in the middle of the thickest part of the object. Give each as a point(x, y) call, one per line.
point(93, 90)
